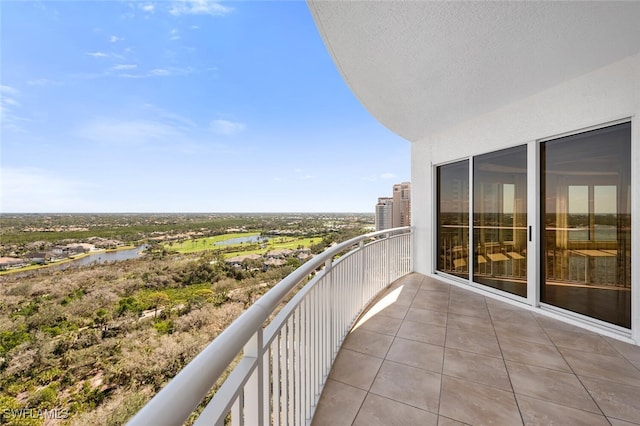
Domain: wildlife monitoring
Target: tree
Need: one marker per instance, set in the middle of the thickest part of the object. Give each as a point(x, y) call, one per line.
point(128, 304)
point(200, 297)
point(102, 318)
point(158, 300)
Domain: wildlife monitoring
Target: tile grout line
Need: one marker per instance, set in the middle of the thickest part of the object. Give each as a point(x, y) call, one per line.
point(444, 350)
point(571, 368)
point(504, 362)
point(384, 358)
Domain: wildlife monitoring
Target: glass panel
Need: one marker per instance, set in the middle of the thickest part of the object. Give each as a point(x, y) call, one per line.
point(586, 243)
point(453, 218)
point(500, 220)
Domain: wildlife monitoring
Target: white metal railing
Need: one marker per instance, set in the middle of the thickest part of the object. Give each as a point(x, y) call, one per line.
point(285, 363)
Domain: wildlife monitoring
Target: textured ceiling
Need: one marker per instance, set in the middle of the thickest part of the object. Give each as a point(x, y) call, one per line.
point(420, 67)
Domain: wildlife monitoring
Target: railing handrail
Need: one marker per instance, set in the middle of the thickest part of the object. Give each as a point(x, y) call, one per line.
point(187, 389)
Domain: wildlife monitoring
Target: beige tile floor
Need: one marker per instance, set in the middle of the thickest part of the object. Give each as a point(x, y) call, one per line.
point(428, 353)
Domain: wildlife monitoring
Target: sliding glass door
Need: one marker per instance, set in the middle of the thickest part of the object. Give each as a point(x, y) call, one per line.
point(584, 249)
point(500, 220)
point(586, 215)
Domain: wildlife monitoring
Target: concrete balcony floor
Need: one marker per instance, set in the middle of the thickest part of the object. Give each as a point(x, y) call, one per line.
point(428, 353)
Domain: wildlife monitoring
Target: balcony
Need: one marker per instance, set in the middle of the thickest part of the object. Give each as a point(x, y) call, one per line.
point(366, 341)
point(431, 353)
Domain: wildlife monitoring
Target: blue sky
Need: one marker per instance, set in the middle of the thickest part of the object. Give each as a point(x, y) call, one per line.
point(182, 106)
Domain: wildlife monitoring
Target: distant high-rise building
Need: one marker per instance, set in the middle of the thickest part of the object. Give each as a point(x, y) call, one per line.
point(401, 204)
point(395, 211)
point(384, 213)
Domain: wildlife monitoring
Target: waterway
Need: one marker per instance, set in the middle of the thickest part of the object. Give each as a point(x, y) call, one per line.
point(105, 257)
point(240, 240)
point(89, 259)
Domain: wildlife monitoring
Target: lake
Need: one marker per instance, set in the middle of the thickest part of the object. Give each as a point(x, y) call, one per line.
point(106, 257)
point(240, 240)
point(91, 258)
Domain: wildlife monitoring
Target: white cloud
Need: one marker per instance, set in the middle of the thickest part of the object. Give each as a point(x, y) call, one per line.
point(174, 34)
point(129, 132)
point(307, 177)
point(114, 39)
point(148, 7)
point(97, 54)
point(9, 90)
point(227, 127)
point(387, 176)
point(174, 119)
point(8, 103)
point(43, 82)
point(156, 72)
point(297, 170)
point(38, 190)
point(199, 7)
point(121, 67)
point(144, 127)
point(160, 72)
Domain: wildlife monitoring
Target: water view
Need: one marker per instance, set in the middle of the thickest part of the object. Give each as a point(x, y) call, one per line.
point(241, 240)
point(105, 257)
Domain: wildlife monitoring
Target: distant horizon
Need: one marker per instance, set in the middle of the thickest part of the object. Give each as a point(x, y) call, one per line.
point(184, 213)
point(183, 106)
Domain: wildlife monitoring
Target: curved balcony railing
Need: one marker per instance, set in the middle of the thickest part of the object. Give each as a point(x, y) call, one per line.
point(285, 362)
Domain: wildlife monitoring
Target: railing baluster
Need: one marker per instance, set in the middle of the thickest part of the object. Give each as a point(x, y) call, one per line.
point(298, 365)
point(275, 378)
point(290, 371)
point(236, 411)
point(315, 344)
point(284, 342)
point(308, 365)
point(266, 385)
point(252, 409)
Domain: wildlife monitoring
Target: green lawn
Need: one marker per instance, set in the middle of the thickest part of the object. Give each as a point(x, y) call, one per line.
point(204, 244)
point(276, 243)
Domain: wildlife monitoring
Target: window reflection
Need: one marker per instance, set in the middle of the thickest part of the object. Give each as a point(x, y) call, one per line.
point(500, 220)
point(453, 218)
point(586, 181)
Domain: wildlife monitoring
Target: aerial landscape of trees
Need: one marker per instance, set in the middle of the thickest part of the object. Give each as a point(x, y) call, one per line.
point(96, 342)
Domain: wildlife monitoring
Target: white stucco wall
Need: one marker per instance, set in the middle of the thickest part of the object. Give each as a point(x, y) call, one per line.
point(605, 95)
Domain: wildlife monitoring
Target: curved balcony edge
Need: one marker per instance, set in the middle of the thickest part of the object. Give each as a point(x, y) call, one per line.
point(285, 363)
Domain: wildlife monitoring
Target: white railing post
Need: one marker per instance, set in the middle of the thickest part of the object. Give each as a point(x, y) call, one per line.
point(328, 266)
point(361, 272)
point(388, 257)
point(253, 391)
